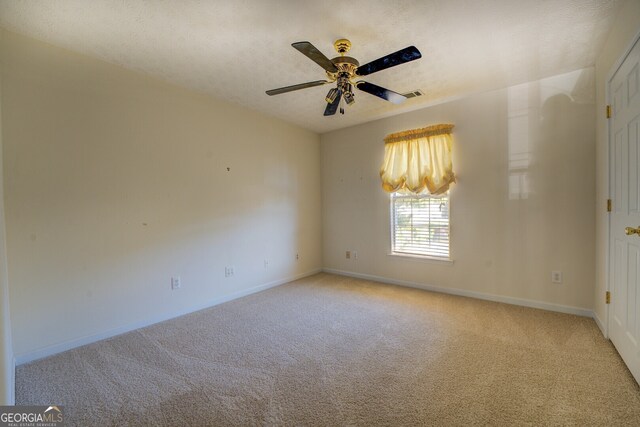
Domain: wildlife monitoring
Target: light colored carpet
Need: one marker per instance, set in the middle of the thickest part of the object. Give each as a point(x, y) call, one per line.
point(330, 350)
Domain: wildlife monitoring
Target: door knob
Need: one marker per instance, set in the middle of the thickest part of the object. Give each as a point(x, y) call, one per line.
point(630, 231)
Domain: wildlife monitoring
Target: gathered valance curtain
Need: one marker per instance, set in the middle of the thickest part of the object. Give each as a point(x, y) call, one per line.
point(418, 159)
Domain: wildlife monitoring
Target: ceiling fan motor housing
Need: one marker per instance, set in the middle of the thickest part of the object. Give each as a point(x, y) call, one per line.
point(346, 66)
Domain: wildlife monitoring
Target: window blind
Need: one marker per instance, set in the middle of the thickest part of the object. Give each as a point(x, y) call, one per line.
point(420, 224)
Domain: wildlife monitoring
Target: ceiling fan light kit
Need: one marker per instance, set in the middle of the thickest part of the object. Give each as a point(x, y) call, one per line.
point(344, 70)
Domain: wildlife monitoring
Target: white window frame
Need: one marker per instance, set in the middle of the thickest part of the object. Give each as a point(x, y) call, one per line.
point(419, 255)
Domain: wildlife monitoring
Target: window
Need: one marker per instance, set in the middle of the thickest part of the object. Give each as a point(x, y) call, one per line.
point(420, 224)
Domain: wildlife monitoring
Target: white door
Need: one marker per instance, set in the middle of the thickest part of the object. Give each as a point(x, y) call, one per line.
point(624, 140)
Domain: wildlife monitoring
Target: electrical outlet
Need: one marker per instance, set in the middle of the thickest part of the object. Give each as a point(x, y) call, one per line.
point(175, 283)
point(229, 271)
point(556, 276)
point(347, 255)
point(354, 254)
point(297, 256)
point(266, 264)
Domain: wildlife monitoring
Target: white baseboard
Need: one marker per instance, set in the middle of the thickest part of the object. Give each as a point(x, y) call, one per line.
point(465, 293)
point(12, 382)
point(600, 325)
point(68, 345)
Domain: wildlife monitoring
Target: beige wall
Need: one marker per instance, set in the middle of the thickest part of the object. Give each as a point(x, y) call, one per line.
point(522, 207)
point(115, 182)
point(6, 347)
point(625, 27)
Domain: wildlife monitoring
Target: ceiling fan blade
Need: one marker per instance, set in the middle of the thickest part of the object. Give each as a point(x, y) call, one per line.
point(381, 92)
point(407, 54)
point(315, 55)
point(296, 87)
point(333, 107)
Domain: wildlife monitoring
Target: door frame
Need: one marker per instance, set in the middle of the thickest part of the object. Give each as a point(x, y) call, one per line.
point(607, 96)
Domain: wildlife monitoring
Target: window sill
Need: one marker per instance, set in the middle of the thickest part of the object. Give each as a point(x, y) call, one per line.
point(421, 258)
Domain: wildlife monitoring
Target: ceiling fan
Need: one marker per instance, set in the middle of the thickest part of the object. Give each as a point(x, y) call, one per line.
point(344, 70)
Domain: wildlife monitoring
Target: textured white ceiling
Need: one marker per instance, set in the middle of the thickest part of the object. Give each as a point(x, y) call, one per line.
point(235, 50)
